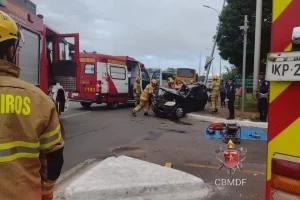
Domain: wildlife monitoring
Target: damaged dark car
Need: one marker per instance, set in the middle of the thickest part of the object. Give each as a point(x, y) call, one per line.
point(177, 103)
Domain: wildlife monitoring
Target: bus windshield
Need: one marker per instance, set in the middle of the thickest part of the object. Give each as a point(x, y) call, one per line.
point(187, 73)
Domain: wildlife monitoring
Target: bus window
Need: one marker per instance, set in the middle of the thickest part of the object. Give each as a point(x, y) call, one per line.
point(187, 73)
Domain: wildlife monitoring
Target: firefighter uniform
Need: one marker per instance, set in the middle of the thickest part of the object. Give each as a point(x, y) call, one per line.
point(177, 85)
point(145, 98)
point(263, 98)
point(31, 143)
point(137, 91)
point(170, 83)
point(214, 89)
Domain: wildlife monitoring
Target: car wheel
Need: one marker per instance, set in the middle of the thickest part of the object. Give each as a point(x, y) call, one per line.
point(85, 104)
point(179, 112)
point(113, 105)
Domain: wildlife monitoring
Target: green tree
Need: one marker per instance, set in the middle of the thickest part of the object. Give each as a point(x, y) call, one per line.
point(170, 69)
point(230, 73)
point(230, 38)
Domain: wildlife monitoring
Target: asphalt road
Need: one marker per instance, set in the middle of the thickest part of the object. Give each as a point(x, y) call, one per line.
point(98, 132)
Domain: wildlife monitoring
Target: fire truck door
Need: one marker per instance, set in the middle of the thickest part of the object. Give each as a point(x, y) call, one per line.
point(67, 64)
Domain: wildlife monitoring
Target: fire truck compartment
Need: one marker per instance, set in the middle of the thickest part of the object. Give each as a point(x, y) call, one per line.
point(133, 72)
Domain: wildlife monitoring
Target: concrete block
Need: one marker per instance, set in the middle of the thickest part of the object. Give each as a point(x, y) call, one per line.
point(125, 178)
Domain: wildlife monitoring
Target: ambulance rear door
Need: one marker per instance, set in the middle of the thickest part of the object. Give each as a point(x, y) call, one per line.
point(88, 77)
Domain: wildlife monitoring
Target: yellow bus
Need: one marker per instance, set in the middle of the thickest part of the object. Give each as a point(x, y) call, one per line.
point(186, 74)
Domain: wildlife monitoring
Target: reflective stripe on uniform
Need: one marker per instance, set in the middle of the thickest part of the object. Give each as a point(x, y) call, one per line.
point(18, 149)
point(51, 138)
point(48, 187)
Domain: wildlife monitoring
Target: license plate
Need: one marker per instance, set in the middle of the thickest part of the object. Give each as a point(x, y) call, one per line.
point(74, 94)
point(283, 66)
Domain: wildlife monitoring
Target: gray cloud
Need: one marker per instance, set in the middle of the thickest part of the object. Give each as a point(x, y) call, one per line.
point(156, 32)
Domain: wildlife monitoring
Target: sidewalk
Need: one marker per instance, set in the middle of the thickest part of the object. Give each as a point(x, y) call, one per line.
point(223, 114)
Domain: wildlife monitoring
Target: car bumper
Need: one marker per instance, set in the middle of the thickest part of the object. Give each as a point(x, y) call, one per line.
point(163, 109)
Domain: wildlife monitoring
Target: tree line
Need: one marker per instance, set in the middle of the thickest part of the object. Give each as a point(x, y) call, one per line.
point(230, 38)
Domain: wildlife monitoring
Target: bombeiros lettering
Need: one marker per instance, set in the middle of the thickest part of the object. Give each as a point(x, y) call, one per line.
point(14, 104)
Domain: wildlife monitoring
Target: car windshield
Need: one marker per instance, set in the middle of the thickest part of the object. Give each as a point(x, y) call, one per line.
point(187, 73)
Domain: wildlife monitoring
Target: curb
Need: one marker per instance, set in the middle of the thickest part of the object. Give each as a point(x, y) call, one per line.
point(217, 119)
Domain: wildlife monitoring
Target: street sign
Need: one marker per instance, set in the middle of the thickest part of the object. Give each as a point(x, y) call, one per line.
point(283, 66)
point(248, 83)
point(238, 81)
point(208, 61)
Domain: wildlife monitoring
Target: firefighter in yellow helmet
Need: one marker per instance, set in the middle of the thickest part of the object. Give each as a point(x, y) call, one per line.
point(170, 83)
point(145, 98)
point(31, 143)
point(137, 91)
point(214, 89)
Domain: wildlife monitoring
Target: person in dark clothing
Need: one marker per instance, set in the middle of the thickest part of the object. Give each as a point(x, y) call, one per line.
point(226, 85)
point(263, 98)
point(222, 93)
point(230, 98)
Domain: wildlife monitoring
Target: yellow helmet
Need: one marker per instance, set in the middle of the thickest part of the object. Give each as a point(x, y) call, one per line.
point(230, 145)
point(137, 79)
point(216, 77)
point(8, 28)
point(154, 81)
point(170, 80)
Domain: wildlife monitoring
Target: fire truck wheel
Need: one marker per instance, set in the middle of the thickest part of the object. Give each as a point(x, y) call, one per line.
point(85, 104)
point(113, 105)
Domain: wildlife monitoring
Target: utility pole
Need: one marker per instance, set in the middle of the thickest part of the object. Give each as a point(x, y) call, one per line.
point(220, 67)
point(258, 21)
point(215, 41)
point(245, 30)
point(200, 65)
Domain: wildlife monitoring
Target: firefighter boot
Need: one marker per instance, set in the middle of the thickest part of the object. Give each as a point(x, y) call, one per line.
point(133, 114)
point(146, 114)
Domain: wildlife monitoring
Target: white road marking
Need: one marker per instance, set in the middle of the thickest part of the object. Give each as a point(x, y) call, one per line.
point(74, 115)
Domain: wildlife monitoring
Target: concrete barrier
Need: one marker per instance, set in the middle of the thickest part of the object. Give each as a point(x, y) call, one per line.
point(246, 123)
point(132, 179)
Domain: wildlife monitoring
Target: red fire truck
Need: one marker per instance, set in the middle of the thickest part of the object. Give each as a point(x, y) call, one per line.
point(47, 59)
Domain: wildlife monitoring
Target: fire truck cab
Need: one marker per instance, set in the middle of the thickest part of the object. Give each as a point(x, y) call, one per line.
point(108, 79)
point(47, 59)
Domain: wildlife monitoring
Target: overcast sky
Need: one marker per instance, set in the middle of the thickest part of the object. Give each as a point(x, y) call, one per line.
point(165, 33)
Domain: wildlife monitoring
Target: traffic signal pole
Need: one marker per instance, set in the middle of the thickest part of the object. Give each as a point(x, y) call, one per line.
point(214, 45)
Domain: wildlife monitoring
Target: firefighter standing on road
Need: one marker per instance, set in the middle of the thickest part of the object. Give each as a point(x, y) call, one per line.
point(214, 89)
point(145, 99)
point(31, 144)
point(263, 94)
point(137, 91)
point(170, 83)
